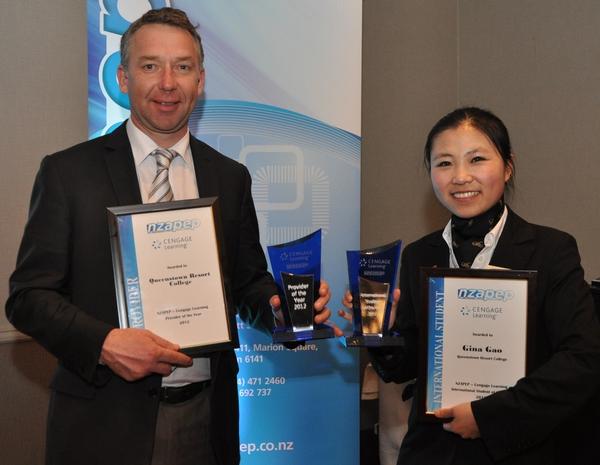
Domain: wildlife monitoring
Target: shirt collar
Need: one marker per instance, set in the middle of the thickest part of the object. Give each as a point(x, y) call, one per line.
point(490, 240)
point(142, 145)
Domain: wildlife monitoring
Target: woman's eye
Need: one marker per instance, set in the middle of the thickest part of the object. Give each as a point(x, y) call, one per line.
point(442, 164)
point(477, 158)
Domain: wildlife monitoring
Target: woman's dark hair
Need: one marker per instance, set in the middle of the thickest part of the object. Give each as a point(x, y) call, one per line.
point(483, 120)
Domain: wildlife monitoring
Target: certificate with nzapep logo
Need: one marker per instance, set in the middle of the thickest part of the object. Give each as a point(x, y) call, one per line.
point(476, 333)
point(168, 276)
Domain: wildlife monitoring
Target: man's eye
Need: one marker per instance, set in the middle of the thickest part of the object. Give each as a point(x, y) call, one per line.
point(149, 66)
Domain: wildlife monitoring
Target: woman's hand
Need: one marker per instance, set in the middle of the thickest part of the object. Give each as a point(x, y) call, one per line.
point(463, 422)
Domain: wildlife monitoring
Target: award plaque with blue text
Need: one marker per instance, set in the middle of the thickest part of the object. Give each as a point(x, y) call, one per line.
point(296, 268)
point(168, 277)
point(372, 277)
point(476, 334)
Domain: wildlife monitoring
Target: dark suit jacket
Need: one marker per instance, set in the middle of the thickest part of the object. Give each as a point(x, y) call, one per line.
point(62, 294)
point(519, 425)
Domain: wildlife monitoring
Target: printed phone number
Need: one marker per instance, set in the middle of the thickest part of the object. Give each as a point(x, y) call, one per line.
point(257, 381)
point(258, 392)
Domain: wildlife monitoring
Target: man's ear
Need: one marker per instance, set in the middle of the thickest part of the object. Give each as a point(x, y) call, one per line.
point(201, 82)
point(123, 78)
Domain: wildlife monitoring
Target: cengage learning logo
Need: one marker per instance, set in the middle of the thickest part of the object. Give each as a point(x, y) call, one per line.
point(486, 294)
point(464, 311)
point(156, 244)
point(172, 226)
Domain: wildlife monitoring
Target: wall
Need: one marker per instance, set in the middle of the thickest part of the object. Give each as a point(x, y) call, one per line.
point(535, 63)
point(43, 90)
point(409, 78)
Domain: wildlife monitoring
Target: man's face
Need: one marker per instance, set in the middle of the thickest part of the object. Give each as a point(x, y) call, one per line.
point(163, 79)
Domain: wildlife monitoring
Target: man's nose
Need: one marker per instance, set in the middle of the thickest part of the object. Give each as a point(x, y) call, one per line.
point(167, 79)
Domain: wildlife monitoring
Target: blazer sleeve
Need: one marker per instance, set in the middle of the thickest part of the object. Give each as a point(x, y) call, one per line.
point(513, 420)
point(39, 296)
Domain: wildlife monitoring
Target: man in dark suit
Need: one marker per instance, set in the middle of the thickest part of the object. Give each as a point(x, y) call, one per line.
point(116, 396)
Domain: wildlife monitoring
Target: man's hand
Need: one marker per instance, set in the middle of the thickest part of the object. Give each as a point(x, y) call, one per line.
point(322, 313)
point(135, 353)
point(347, 314)
point(463, 422)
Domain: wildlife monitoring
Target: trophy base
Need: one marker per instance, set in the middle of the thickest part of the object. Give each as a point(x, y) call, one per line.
point(373, 340)
point(289, 335)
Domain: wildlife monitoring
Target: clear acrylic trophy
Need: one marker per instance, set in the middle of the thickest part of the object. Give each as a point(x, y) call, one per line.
point(372, 275)
point(296, 268)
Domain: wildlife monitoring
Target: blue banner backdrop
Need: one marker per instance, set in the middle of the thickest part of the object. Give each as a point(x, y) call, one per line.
point(282, 97)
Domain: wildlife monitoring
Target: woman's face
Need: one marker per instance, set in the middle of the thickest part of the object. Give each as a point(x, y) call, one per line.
point(468, 174)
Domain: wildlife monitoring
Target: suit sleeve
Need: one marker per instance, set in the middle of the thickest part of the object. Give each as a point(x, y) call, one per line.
point(39, 301)
point(513, 420)
point(253, 285)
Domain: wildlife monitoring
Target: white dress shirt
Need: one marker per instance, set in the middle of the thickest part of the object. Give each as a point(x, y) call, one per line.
point(182, 178)
point(490, 241)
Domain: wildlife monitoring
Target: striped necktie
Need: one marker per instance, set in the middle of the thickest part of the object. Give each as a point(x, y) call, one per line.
point(160, 191)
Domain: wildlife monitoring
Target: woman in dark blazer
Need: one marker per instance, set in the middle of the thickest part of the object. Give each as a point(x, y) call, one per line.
point(469, 158)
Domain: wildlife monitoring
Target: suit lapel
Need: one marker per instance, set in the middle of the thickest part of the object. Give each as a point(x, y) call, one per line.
point(514, 249)
point(121, 167)
point(206, 179)
point(437, 251)
point(516, 244)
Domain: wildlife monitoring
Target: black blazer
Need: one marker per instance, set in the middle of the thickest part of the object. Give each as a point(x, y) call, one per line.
point(520, 425)
point(62, 294)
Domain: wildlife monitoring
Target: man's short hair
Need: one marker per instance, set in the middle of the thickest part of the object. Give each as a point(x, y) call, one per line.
point(168, 16)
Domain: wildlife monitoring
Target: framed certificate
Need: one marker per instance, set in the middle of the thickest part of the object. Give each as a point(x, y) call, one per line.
point(476, 334)
point(167, 261)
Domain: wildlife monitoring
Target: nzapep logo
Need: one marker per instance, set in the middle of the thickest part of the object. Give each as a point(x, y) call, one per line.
point(486, 294)
point(172, 226)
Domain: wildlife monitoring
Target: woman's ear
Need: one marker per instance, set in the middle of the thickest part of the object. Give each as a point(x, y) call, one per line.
point(509, 168)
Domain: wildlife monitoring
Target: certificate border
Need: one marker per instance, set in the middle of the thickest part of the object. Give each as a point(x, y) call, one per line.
point(427, 272)
point(117, 260)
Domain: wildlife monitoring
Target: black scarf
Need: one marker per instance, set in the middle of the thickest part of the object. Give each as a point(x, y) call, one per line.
point(468, 234)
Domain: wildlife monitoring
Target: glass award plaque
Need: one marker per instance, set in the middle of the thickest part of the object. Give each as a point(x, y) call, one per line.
point(476, 334)
point(296, 268)
point(167, 262)
point(372, 276)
